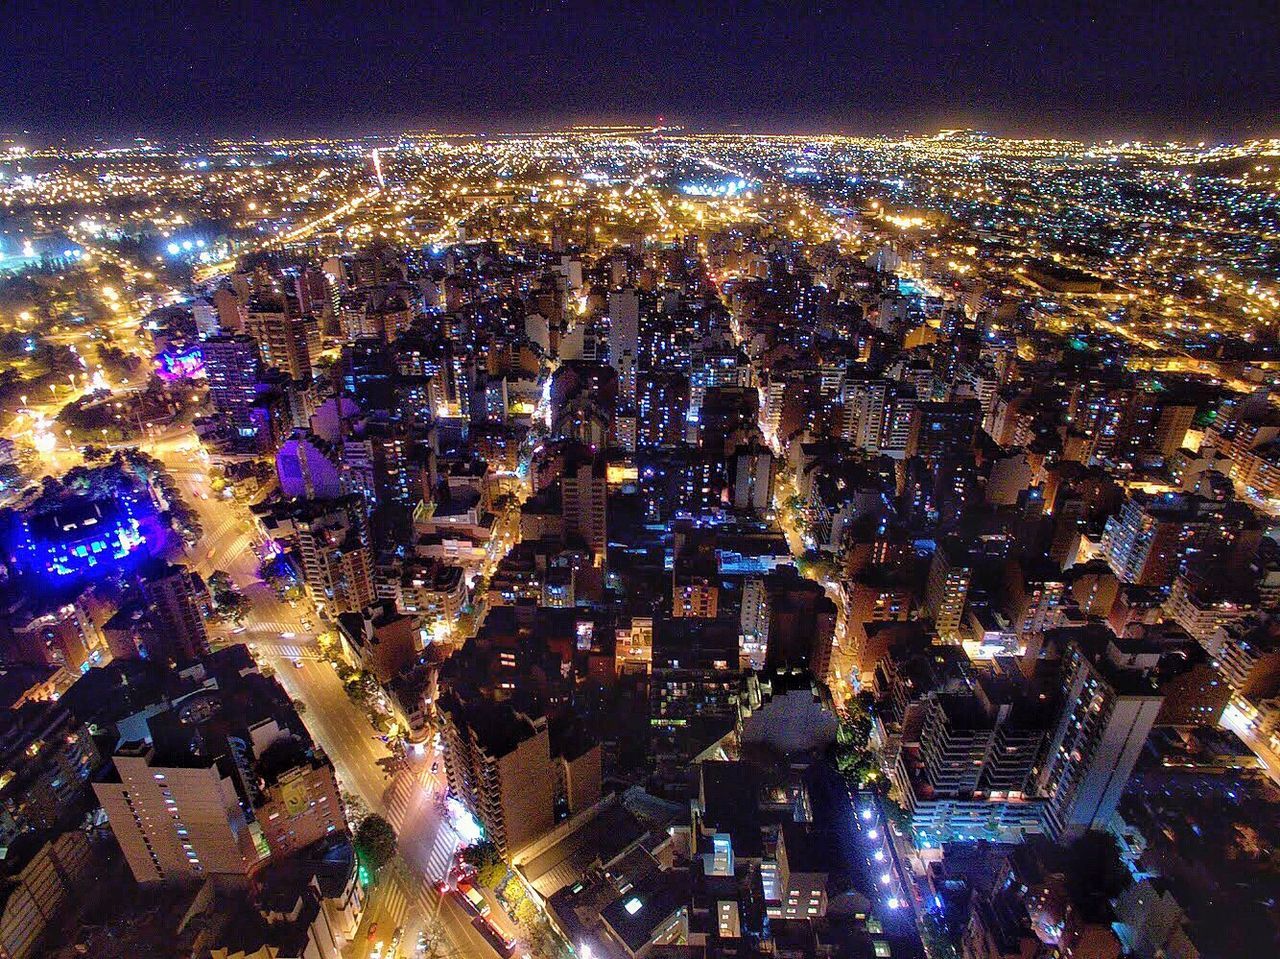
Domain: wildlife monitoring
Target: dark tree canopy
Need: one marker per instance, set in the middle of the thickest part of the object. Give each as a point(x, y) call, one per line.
point(375, 842)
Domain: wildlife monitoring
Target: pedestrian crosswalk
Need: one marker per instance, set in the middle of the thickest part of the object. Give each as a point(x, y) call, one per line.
point(407, 791)
point(405, 901)
point(400, 799)
point(395, 904)
point(290, 651)
point(223, 527)
point(404, 800)
point(427, 898)
point(440, 858)
point(274, 627)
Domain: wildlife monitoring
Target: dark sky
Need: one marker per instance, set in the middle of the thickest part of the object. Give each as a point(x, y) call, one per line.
point(1197, 69)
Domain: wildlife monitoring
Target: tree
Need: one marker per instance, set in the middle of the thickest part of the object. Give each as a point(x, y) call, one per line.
point(220, 582)
point(117, 361)
point(362, 689)
point(354, 806)
point(275, 572)
point(853, 754)
point(526, 913)
point(229, 603)
point(375, 842)
point(487, 862)
point(814, 565)
point(938, 944)
point(480, 854)
point(513, 892)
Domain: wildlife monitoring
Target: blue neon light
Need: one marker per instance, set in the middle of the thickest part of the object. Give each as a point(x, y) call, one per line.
point(87, 547)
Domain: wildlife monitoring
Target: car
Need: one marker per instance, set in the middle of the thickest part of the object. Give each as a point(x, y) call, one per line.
point(308, 625)
point(238, 630)
point(288, 634)
point(297, 664)
point(377, 951)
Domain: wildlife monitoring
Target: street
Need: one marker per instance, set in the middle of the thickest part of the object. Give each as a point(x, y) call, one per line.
point(405, 896)
point(1234, 720)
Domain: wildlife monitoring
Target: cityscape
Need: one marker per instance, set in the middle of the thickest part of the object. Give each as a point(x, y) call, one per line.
point(639, 541)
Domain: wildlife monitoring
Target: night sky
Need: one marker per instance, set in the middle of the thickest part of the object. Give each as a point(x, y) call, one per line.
point(1198, 70)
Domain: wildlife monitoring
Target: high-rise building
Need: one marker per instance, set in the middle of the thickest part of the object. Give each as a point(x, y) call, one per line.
point(230, 309)
point(753, 473)
point(693, 690)
point(624, 340)
point(308, 467)
point(947, 591)
point(335, 558)
point(1034, 593)
point(584, 497)
point(1111, 703)
point(205, 316)
point(584, 399)
point(1248, 654)
point(713, 366)
point(695, 580)
point(945, 429)
point(170, 595)
point(1155, 537)
point(728, 417)
point(224, 778)
point(232, 362)
point(499, 764)
point(882, 416)
point(1202, 604)
point(973, 746)
point(795, 621)
point(664, 408)
point(1171, 428)
point(289, 342)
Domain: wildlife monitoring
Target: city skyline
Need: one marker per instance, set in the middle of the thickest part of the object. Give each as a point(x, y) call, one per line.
point(639, 540)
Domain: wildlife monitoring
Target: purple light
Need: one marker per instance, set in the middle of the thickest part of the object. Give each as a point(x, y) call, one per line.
point(180, 366)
